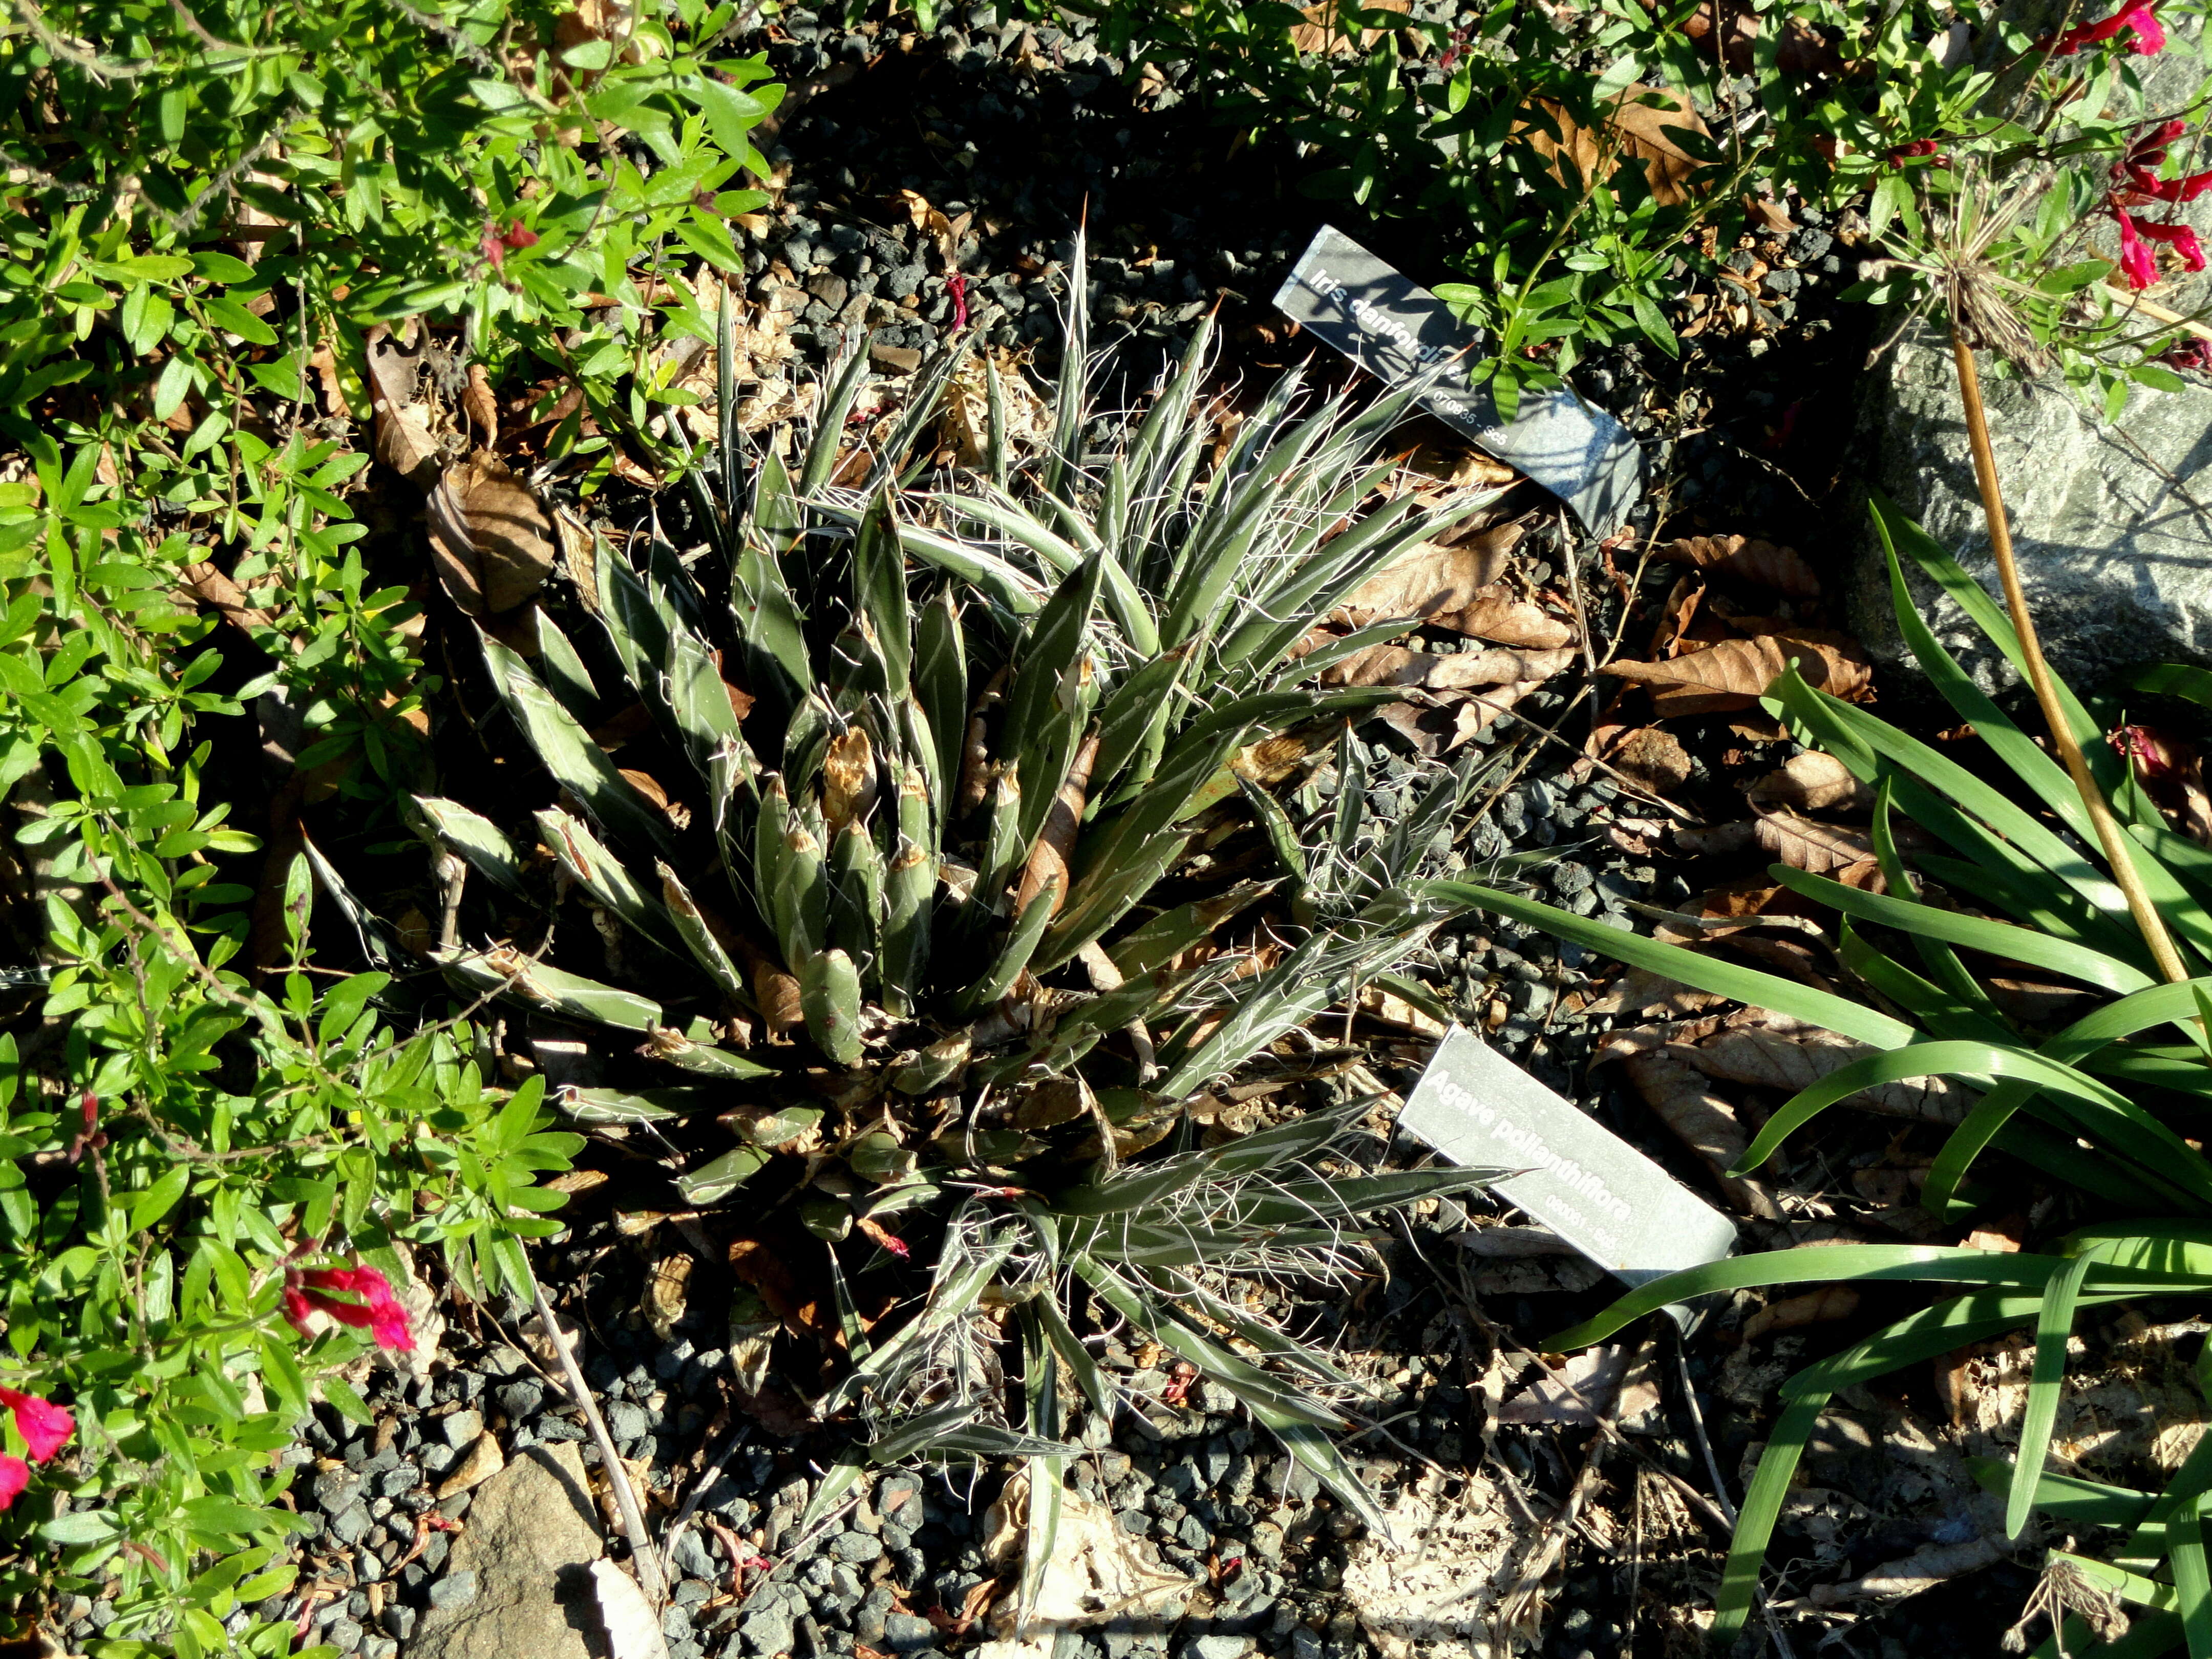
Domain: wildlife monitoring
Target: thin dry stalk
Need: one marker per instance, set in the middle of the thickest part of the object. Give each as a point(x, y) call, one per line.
point(652, 1581)
point(2109, 836)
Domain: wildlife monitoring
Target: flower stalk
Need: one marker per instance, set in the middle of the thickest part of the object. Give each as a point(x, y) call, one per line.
point(2109, 836)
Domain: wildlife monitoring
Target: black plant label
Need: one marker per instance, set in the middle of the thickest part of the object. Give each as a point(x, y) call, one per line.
point(1394, 328)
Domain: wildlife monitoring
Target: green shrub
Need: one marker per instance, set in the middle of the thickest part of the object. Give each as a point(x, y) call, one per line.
point(208, 208)
point(2092, 1106)
point(211, 207)
point(180, 1139)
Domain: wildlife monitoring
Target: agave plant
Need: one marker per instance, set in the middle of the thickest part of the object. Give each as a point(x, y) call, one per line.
point(915, 925)
point(2099, 1104)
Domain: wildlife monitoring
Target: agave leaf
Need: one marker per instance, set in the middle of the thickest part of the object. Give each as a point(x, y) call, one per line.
point(918, 419)
point(997, 459)
point(449, 824)
point(1041, 1392)
point(857, 880)
point(1282, 1000)
point(1073, 1035)
point(690, 923)
point(714, 1181)
point(940, 686)
point(1171, 932)
point(829, 994)
point(910, 896)
point(1069, 408)
point(699, 704)
point(805, 903)
point(533, 985)
point(1254, 1387)
point(1341, 1198)
point(1017, 591)
point(1005, 848)
point(1273, 1345)
point(635, 621)
point(761, 604)
point(1020, 944)
point(1132, 722)
point(1153, 451)
point(1315, 1449)
point(646, 1106)
point(564, 671)
point(829, 424)
point(1285, 612)
point(578, 764)
point(592, 866)
point(1217, 558)
point(1275, 823)
point(879, 584)
point(952, 1297)
point(1072, 1354)
point(704, 1059)
point(1122, 856)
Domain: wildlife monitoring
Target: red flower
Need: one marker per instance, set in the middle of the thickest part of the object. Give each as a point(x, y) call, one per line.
point(307, 1293)
point(957, 285)
point(1903, 153)
point(2181, 237)
point(44, 1426)
point(2138, 16)
point(2187, 354)
point(2136, 262)
point(14, 1475)
point(92, 1136)
point(495, 243)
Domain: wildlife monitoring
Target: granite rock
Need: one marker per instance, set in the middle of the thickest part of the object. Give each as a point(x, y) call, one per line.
point(530, 1539)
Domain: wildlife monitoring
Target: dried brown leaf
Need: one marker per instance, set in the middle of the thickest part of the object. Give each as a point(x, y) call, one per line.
point(848, 778)
point(1496, 615)
point(491, 538)
point(1442, 671)
point(1768, 1051)
point(1443, 724)
point(1808, 844)
point(1653, 758)
point(1781, 569)
point(480, 407)
point(1055, 842)
point(404, 440)
point(1635, 131)
point(1704, 1123)
point(1734, 674)
point(1433, 578)
point(1813, 781)
point(1320, 33)
point(1830, 1302)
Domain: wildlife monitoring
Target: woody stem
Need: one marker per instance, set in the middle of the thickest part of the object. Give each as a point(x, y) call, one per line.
point(2109, 836)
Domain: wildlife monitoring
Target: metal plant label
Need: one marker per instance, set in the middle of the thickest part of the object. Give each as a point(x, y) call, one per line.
point(1581, 1180)
point(1383, 321)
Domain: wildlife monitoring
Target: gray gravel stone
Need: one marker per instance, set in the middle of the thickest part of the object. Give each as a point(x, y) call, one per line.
point(906, 1632)
point(627, 1421)
point(461, 1428)
point(766, 1630)
point(855, 1548)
